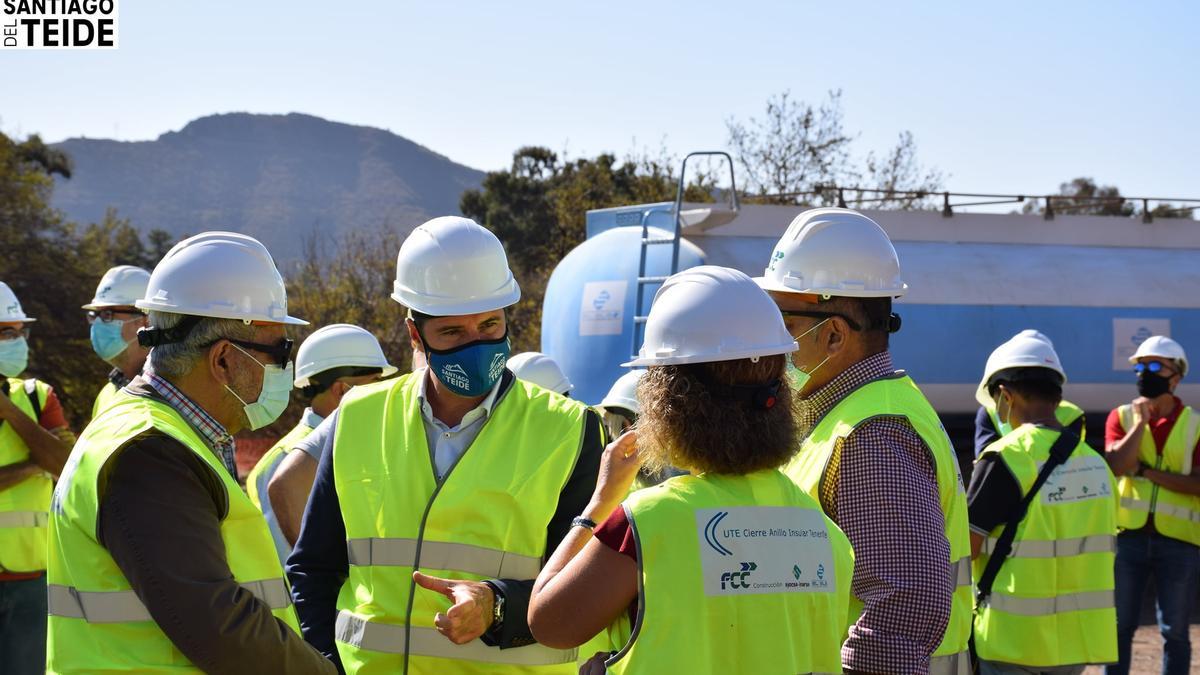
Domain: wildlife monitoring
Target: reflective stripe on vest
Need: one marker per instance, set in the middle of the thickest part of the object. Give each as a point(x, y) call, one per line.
point(126, 606)
point(1070, 602)
point(1058, 548)
point(391, 639)
point(897, 397)
point(962, 572)
point(24, 518)
point(951, 664)
point(441, 555)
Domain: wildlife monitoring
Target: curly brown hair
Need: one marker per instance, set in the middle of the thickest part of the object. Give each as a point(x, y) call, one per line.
point(689, 420)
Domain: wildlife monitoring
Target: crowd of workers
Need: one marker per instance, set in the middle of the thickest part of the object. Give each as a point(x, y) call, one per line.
point(763, 492)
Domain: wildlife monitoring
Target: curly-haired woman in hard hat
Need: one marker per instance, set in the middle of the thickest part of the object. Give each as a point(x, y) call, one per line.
point(734, 568)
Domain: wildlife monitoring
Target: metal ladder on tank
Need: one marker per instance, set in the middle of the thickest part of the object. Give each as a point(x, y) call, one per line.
point(641, 303)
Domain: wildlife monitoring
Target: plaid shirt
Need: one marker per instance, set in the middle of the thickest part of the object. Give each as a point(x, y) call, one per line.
point(881, 489)
point(210, 429)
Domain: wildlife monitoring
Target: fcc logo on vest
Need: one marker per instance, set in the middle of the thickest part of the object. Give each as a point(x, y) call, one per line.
point(764, 549)
point(58, 24)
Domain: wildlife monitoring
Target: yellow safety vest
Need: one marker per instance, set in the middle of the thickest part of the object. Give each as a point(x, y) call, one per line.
point(260, 476)
point(737, 574)
point(898, 397)
point(1176, 515)
point(1067, 415)
point(487, 518)
point(1052, 600)
point(97, 623)
point(105, 398)
point(24, 507)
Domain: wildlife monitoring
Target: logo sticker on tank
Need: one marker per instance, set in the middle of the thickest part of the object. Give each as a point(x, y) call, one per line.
point(764, 549)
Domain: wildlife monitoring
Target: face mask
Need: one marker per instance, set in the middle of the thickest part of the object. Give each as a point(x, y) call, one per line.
point(1005, 425)
point(1152, 385)
point(14, 356)
point(472, 369)
point(272, 398)
point(796, 377)
point(106, 339)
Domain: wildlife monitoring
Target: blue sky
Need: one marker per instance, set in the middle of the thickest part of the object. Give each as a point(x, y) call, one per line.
point(1014, 97)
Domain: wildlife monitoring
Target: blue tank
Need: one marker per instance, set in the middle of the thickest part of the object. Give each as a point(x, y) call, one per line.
point(587, 315)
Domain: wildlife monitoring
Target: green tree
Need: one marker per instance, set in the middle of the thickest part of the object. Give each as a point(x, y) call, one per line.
point(54, 266)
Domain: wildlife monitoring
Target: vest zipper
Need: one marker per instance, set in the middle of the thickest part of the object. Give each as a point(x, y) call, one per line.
point(1154, 489)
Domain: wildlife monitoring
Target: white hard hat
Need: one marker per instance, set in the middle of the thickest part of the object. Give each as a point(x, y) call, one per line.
point(624, 393)
point(1036, 334)
point(1164, 348)
point(1021, 351)
point(834, 252)
point(708, 314)
point(222, 275)
point(10, 307)
point(541, 370)
point(120, 286)
point(339, 345)
point(452, 266)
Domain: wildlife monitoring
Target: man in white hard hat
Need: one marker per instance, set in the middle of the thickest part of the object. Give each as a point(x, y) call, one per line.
point(330, 362)
point(158, 560)
point(874, 452)
point(439, 494)
point(541, 370)
point(1153, 446)
point(1045, 589)
point(115, 322)
point(620, 407)
point(34, 444)
point(1013, 353)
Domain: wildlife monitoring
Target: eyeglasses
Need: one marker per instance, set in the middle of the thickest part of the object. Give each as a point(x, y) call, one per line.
point(1153, 366)
point(110, 315)
point(280, 352)
point(7, 334)
point(813, 314)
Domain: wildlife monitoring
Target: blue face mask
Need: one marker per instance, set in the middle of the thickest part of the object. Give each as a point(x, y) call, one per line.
point(14, 356)
point(472, 369)
point(106, 339)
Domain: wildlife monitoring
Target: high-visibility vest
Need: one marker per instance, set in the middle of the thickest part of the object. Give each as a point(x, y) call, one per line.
point(103, 399)
point(97, 623)
point(1052, 600)
point(1176, 515)
point(898, 397)
point(24, 507)
point(1068, 414)
point(738, 574)
point(260, 475)
point(486, 518)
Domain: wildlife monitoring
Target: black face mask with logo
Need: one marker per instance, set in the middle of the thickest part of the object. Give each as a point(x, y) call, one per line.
point(1152, 385)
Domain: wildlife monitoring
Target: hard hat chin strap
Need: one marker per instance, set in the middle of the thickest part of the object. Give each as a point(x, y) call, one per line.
point(153, 337)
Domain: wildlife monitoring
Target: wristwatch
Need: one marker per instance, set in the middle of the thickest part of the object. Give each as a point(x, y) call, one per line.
point(497, 607)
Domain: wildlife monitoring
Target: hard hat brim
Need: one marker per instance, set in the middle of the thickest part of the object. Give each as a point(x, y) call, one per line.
point(647, 361)
point(457, 307)
point(103, 305)
point(306, 380)
point(768, 284)
point(208, 313)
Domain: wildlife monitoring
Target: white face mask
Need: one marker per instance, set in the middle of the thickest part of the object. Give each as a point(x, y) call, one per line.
point(796, 377)
point(272, 398)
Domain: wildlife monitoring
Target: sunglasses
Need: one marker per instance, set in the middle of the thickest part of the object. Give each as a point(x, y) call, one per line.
point(1153, 367)
point(813, 314)
point(7, 334)
point(110, 315)
point(280, 352)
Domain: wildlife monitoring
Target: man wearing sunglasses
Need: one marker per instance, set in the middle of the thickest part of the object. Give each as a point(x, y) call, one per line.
point(34, 444)
point(874, 452)
point(114, 323)
point(440, 494)
point(1153, 445)
point(158, 559)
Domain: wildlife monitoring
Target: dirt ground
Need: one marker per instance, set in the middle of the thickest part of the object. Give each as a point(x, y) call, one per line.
point(1147, 652)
